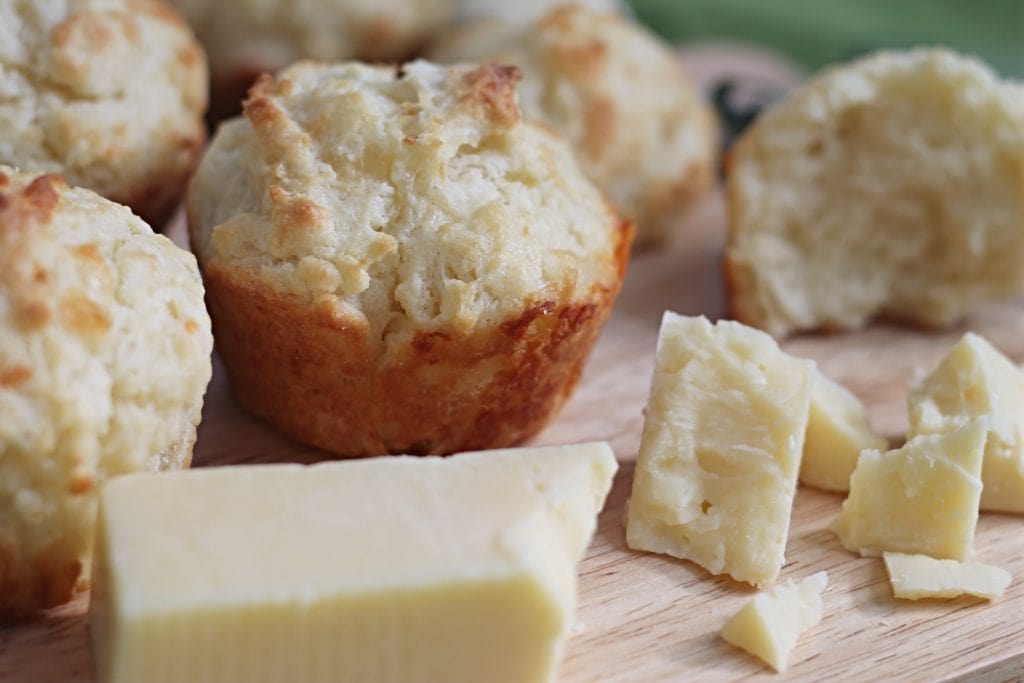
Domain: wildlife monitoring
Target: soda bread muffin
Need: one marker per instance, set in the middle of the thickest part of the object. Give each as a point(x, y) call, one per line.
point(245, 38)
point(104, 358)
point(108, 93)
point(640, 129)
point(396, 263)
point(891, 186)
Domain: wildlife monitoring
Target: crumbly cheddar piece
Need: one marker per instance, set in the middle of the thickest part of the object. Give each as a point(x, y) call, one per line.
point(456, 570)
point(837, 432)
point(914, 577)
point(722, 440)
point(921, 498)
point(975, 380)
point(769, 625)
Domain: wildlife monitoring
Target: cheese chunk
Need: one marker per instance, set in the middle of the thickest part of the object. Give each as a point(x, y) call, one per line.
point(768, 626)
point(918, 576)
point(720, 452)
point(837, 432)
point(388, 570)
point(922, 498)
point(972, 381)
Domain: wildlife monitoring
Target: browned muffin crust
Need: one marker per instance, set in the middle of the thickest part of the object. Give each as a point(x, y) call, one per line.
point(322, 380)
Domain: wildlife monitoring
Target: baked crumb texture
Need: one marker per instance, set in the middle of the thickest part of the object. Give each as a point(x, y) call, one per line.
point(110, 94)
point(104, 358)
point(640, 129)
point(892, 186)
point(396, 263)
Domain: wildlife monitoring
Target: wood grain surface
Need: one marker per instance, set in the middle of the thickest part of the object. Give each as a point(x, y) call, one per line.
point(647, 618)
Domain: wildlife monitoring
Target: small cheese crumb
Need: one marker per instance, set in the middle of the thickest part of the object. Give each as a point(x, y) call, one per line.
point(918, 576)
point(768, 626)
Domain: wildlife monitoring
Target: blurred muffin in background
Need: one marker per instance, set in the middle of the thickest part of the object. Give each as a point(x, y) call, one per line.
point(108, 93)
point(245, 38)
point(640, 129)
point(527, 11)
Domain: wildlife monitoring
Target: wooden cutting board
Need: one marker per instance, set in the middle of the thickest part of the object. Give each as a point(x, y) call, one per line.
point(646, 618)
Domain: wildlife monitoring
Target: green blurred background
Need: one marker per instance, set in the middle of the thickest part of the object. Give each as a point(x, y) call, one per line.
point(818, 32)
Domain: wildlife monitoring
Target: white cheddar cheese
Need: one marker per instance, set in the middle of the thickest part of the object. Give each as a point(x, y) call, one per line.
point(918, 576)
point(922, 498)
point(768, 626)
point(389, 570)
point(837, 432)
point(975, 380)
point(722, 439)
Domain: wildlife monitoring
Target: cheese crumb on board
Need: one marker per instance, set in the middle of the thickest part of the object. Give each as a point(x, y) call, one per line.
point(921, 498)
point(453, 570)
point(837, 432)
point(918, 576)
point(722, 440)
point(768, 626)
point(974, 380)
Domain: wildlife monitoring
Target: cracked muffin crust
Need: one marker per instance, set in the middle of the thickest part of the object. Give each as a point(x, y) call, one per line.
point(395, 262)
point(108, 93)
point(640, 129)
point(104, 358)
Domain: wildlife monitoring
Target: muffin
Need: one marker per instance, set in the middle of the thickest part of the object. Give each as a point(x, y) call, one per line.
point(108, 93)
point(396, 263)
point(104, 358)
point(640, 129)
point(891, 186)
point(245, 38)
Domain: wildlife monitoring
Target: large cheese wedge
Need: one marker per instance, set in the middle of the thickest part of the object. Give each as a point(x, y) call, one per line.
point(721, 446)
point(768, 626)
point(387, 570)
point(837, 432)
point(922, 498)
point(975, 380)
point(918, 576)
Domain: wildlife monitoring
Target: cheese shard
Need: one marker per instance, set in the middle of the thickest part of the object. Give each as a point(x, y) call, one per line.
point(921, 498)
point(722, 439)
point(459, 569)
point(769, 625)
point(918, 576)
point(976, 380)
point(837, 432)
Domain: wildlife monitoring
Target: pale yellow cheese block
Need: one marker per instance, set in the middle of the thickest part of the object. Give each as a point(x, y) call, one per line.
point(921, 498)
point(388, 570)
point(769, 625)
point(918, 576)
point(975, 380)
point(722, 439)
point(837, 432)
